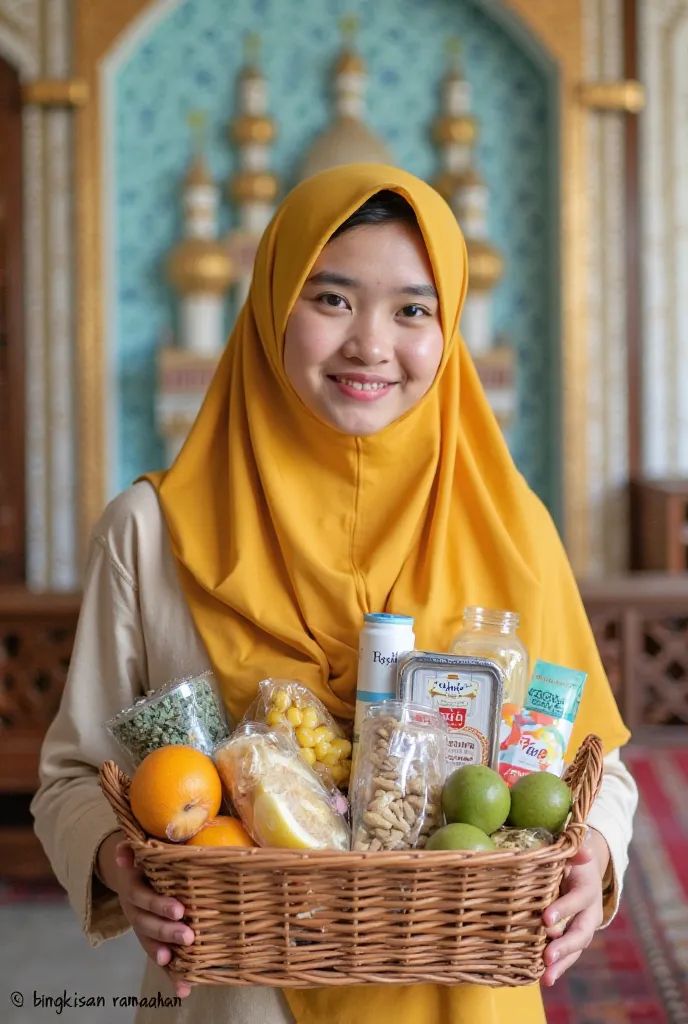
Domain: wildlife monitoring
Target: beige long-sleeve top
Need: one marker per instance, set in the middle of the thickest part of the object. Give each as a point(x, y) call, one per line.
point(135, 634)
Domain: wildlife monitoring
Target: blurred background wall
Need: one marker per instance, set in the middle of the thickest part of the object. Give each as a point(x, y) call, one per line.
point(102, 173)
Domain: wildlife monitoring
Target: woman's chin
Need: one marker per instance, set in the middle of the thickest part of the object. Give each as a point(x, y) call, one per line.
point(360, 423)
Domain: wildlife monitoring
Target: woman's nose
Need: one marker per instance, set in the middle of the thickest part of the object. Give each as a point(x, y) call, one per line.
point(368, 343)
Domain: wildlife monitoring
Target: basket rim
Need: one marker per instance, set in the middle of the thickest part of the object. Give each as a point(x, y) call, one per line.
point(180, 851)
point(584, 776)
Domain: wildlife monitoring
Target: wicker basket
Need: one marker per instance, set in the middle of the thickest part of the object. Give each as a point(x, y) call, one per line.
point(305, 919)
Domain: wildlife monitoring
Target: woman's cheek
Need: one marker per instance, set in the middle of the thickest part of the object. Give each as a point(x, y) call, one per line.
point(317, 338)
point(422, 358)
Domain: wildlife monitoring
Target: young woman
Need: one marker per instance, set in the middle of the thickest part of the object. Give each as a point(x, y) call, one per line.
point(345, 460)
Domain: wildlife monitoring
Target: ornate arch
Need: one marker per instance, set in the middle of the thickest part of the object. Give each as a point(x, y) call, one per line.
point(552, 32)
point(16, 45)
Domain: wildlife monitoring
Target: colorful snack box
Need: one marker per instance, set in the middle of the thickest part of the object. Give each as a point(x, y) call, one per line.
point(535, 737)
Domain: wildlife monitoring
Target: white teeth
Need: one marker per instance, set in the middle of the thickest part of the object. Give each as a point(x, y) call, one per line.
point(358, 385)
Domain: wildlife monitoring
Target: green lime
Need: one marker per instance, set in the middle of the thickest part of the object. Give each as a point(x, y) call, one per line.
point(459, 837)
point(540, 800)
point(476, 795)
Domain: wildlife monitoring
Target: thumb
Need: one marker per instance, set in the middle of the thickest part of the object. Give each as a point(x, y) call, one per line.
point(124, 855)
point(584, 855)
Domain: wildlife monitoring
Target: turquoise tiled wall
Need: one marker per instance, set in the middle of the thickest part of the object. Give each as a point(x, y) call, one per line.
point(191, 60)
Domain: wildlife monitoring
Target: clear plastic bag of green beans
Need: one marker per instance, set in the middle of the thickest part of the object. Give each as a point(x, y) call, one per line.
point(185, 712)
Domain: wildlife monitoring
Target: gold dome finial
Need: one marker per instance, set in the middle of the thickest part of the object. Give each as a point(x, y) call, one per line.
point(199, 265)
point(349, 26)
point(197, 121)
point(349, 60)
point(454, 49)
point(198, 173)
point(252, 49)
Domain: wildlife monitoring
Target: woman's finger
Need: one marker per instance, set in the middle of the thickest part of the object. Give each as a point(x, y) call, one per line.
point(578, 937)
point(181, 988)
point(128, 875)
point(159, 953)
point(145, 898)
point(555, 972)
point(140, 892)
point(124, 855)
point(584, 856)
point(580, 896)
point(154, 927)
point(557, 930)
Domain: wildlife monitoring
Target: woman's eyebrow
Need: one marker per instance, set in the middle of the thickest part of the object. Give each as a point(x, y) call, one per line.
point(427, 290)
point(341, 280)
point(329, 277)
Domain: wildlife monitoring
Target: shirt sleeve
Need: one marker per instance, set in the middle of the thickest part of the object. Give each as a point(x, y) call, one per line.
point(612, 816)
point(107, 673)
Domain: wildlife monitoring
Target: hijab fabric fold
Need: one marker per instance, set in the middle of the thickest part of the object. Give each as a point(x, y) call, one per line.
point(286, 531)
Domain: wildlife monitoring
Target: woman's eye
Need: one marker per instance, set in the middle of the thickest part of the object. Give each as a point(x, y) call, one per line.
point(414, 311)
point(330, 299)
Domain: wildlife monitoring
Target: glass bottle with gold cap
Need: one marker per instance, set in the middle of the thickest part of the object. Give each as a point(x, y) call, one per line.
point(487, 633)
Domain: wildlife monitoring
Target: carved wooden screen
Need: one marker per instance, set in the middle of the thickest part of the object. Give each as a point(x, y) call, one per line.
point(11, 333)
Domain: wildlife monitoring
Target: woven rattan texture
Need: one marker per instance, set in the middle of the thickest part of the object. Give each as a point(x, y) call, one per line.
point(306, 919)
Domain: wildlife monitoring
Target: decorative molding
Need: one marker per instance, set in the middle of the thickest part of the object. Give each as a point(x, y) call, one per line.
point(626, 97)
point(98, 24)
point(22, 15)
point(20, 43)
point(56, 92)
point(37, 524)
point(62, 483)
point(607, 438)
point(559, 28)
point(663, 39)
point(40, 33)
point(19, 35)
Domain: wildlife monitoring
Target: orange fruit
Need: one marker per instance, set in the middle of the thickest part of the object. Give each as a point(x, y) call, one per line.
point(222, 831)
point(174, 792)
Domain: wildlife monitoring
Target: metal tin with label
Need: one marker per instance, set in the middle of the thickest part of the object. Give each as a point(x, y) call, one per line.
point(468, 692)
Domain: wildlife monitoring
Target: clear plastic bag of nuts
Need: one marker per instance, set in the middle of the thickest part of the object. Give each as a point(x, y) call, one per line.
point(399, 773)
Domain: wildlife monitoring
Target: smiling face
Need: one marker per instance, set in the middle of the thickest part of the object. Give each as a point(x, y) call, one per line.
point(364, 340)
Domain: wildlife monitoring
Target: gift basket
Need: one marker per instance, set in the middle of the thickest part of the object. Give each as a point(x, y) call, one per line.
point(371, 889)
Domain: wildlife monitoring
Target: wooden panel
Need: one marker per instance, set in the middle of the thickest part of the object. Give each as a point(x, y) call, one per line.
point(12, 552)
point(21, 855)
point(641, 625)
point(36, 639)
point(661, 511)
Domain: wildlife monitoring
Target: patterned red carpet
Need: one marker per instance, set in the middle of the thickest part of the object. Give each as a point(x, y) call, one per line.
point(636, 971)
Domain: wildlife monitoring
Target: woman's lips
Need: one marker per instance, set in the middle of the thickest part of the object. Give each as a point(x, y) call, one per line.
point(360, 388)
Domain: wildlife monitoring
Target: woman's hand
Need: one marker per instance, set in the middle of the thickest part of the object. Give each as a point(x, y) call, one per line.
point(578, 909)
point(151, 916)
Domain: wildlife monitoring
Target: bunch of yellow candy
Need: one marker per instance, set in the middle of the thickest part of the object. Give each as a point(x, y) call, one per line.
point(320, 747)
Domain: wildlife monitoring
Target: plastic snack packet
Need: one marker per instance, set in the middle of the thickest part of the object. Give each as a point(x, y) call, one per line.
point(286, 704)
point(400, 770)
point(534, 738)
point(282, 802)
point(186, 711)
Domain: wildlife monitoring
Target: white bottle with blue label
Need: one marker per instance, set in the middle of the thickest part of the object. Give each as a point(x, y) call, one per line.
point(382, 641)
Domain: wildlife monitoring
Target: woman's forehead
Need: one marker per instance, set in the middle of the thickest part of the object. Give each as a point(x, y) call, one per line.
point(312, 212)
point(391, 252)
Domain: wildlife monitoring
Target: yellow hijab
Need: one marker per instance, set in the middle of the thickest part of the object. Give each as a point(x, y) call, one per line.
point(286, 531)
